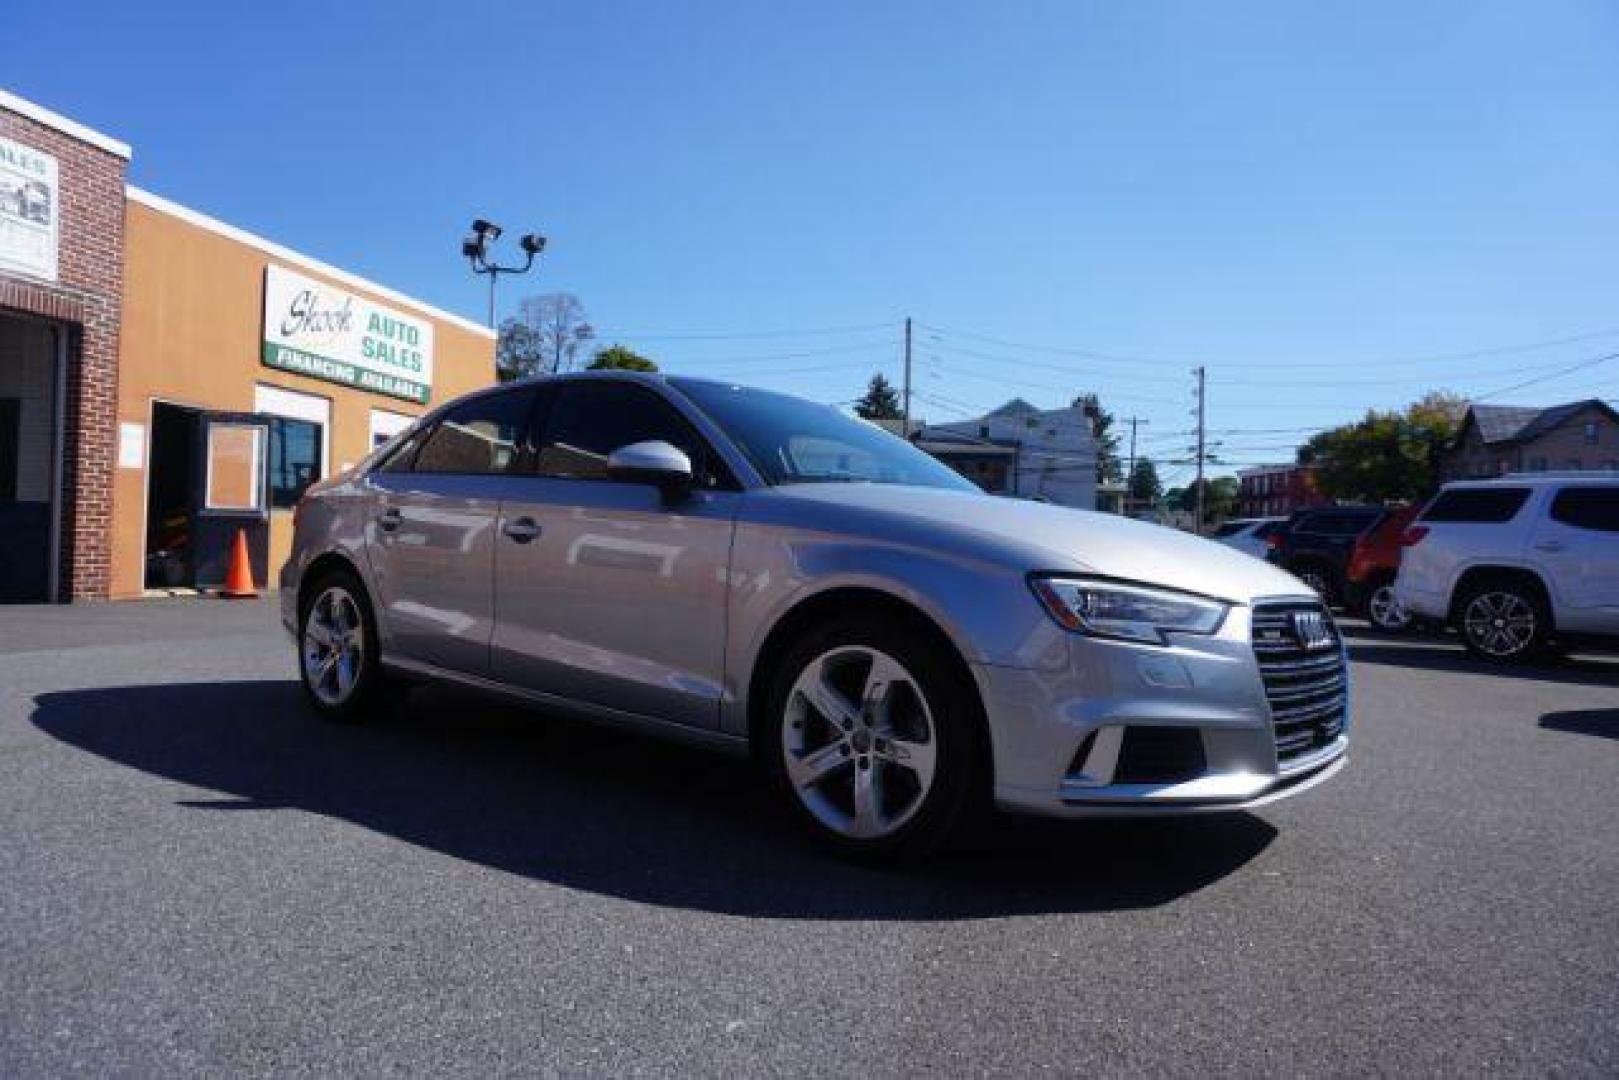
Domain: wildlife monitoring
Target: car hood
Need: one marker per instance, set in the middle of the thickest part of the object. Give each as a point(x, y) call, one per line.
point(1042, 536)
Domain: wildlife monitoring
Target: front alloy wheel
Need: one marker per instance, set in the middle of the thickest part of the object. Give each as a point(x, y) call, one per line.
point(1502, 624)
point(1385, 611)
point(858, 742)
point(874, 736)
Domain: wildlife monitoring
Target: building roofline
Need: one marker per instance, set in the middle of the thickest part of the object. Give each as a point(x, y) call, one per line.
point(287, 255)
point(41, 115)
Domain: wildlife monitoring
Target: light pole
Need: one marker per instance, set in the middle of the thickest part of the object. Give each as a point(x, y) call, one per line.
point(476, 249)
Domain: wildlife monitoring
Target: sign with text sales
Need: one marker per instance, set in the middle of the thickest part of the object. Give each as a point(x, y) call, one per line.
point(314, 329)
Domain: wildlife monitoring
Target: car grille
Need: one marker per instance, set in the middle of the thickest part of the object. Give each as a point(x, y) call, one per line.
point(1308, 689)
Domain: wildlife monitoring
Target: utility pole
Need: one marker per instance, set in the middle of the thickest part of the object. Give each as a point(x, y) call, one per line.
point(1130, 471)
point(905, 410)
point(1202, 414)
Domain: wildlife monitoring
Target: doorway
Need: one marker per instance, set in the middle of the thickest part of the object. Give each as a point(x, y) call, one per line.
point(29, 459)
point(170, 481)
point(206, 481)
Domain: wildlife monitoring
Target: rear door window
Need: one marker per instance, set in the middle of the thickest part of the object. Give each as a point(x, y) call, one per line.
point(1594, 508)
point(482, 436)
point(1477, 506)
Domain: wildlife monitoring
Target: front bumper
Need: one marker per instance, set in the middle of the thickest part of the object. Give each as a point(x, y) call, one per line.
point(1058, 737)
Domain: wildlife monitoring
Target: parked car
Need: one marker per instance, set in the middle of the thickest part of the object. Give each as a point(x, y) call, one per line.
point(1251, 536)
point(1374, 561)
point(750, 571)
point(1315, 545)
point(1517, 563)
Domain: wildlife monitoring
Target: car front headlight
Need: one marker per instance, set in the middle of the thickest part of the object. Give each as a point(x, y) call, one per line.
point(1120, 610)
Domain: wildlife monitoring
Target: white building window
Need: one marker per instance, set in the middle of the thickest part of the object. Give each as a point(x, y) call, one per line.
point(385, 425)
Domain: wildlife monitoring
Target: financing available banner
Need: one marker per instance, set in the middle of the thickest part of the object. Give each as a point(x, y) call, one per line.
point(326, 333)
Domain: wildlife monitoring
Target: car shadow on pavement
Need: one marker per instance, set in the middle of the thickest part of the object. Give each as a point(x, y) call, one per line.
point(1439, 655)
point(613, 813)
point(1603, 723)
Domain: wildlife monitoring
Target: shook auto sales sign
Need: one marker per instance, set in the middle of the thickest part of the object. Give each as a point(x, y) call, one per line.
point(314, 329)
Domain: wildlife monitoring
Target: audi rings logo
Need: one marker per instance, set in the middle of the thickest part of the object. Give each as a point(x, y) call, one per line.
point(1311, 631)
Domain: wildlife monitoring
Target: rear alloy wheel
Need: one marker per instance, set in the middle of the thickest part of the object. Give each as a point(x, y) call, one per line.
point(1384, 610)
point(1504, 623)
point(871, 740)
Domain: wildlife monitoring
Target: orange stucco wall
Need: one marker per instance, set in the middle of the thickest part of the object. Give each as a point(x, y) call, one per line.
point(191, 335)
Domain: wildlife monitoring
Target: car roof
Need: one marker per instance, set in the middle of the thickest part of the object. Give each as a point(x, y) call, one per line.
point(1518, 480)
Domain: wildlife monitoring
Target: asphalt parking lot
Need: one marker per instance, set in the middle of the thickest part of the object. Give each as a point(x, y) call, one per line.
point(197, 877)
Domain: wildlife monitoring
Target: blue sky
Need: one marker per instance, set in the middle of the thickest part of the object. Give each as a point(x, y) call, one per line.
point(1313, 200)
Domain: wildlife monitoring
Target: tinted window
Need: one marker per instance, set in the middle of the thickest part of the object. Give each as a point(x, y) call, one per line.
point(1231, 528)
point(294, 459)
point(793, 441)
point(402, 454)
point(1269, 529)
point(1337, 522)
point(591, 420)
point(477, 436)
point(1588, 508)
point(1481, 506)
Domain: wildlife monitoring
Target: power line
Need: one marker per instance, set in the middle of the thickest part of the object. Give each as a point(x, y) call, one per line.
point(1027, 384)
point(846, 365)
point(761, 358)
point(1109, 357)
point(728, 335)
point(1582, 365)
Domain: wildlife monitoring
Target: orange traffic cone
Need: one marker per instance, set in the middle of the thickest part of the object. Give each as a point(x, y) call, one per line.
point(239, 578)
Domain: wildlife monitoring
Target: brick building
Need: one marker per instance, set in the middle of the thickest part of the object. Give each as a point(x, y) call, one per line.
point(1276, 490)
point(166, 379)
point(1498, 439)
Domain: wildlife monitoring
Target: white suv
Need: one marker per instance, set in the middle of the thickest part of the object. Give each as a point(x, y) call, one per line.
point(1513, 563)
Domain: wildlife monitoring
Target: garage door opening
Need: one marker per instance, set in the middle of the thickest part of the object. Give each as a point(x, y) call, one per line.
point(30, 456)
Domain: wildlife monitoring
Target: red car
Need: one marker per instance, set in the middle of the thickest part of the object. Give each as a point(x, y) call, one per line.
point(1373, 563)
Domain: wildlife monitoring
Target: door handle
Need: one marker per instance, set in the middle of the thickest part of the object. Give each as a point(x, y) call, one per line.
point(389, 520)
point(522, 530)
point(1549, 545)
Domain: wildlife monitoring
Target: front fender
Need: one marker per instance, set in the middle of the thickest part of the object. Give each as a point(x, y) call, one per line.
point(987, 611)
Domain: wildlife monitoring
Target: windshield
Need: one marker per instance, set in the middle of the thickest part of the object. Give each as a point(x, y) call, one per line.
point(792, 441)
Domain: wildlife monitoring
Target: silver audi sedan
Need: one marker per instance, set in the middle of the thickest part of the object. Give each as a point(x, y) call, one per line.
point(757, 573)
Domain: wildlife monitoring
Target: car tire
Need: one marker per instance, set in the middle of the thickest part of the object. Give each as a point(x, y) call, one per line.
point(873, 737)
point(1504, 621)
point(1384, 610)
point(339, 653)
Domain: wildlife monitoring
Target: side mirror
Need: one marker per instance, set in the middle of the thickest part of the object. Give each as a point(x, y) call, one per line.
point(657, 463)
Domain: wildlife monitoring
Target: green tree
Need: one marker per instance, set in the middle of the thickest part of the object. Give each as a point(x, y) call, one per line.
point(881, 400)
point(619, 357)
point(1385, 456)
point(1220, 498)
point(1109, 468)
point(1145, 486)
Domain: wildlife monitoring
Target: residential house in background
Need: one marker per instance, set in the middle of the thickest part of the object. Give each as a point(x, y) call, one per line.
point(1276, 490)
point(1021, 450)
point(1498, 439)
